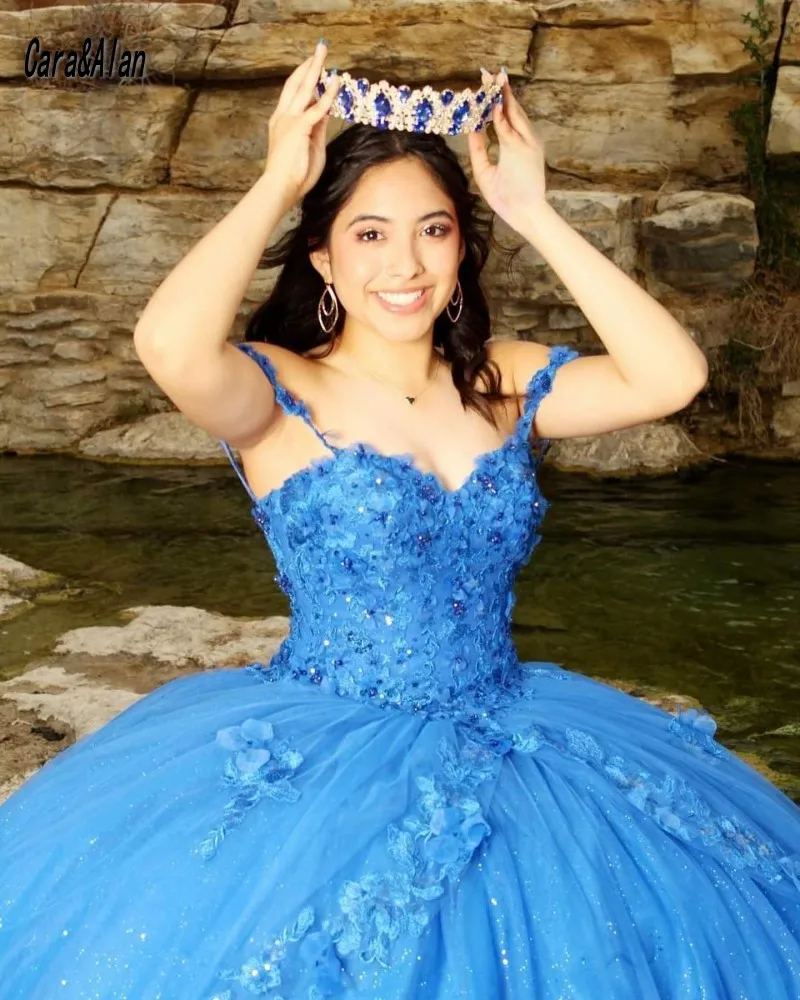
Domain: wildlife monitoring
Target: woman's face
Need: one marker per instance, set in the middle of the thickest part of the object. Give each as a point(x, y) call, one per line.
point(398, 232)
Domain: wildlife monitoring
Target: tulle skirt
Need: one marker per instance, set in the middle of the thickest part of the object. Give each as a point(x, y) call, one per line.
point(229, 836)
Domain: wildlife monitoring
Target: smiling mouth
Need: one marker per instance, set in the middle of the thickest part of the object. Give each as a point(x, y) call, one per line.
point(401, 298)
point(399, 302)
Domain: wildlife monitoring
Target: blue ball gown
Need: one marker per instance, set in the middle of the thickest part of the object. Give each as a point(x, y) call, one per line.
point(396, 806)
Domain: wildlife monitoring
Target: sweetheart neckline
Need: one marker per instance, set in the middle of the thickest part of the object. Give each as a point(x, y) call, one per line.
point(404, 460)
point(294, 406)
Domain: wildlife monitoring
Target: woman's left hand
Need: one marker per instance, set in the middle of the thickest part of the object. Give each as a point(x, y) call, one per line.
point(517, 181)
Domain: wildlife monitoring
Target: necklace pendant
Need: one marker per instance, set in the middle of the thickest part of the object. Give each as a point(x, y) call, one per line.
point(411, 398)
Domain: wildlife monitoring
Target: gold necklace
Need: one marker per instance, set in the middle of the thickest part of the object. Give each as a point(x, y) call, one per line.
point(411, 399)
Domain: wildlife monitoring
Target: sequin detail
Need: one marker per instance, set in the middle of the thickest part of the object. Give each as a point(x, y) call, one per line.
point(389, 603)
point(261, 767)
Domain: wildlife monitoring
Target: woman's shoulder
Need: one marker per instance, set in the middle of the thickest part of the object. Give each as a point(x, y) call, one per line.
point(518, 358)
point(284, 361)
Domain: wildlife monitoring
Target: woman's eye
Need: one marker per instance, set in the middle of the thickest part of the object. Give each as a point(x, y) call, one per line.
point(441, 230)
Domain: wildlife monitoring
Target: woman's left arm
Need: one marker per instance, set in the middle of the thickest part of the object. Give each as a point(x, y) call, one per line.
point(653, 367)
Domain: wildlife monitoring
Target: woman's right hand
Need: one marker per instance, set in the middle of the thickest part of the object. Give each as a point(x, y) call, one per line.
point(298, 127)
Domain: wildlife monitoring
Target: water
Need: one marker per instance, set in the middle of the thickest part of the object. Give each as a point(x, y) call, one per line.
point(692, 586)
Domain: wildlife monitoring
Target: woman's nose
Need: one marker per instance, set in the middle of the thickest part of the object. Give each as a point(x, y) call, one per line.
point(405, 262)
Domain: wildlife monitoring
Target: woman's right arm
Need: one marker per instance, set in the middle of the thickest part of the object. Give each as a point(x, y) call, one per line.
point(181, 337)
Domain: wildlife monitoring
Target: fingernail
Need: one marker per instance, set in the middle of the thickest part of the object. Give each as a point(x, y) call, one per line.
point(335, 71)
point(504, 71)
point(484, 70)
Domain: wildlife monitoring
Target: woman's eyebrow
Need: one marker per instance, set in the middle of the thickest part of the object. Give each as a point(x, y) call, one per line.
point(382, 218)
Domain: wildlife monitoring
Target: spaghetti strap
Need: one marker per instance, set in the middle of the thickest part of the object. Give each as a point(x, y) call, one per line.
point(539, 385)
point(288, 403)
point(239, 472)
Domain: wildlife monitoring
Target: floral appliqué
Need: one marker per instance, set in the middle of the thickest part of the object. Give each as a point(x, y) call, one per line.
point(697, 728)
point(260, 767)
point(315, 974)
point(432, 845)
point(677, 808)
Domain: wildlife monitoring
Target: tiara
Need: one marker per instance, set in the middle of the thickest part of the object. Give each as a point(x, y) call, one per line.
point(385, 106)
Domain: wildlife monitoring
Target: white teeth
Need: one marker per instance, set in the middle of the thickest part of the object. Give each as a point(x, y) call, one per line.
point(398, 299)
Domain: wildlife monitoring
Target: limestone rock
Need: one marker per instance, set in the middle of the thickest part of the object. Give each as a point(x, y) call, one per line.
point(476, 13)
point(701, 32)
point(786, 421)
point(605, 218)
point(71, 369)
point(177, 38)
point(28, 742)
point(622, 102)
point(69, 698)
point(656, 448)
point(10, 606)
point(80, 139)
point(145, 236)
point(790, 49)
point(428, 41)
point(784, 126)
point(59, 230)
point(224, 141)
point(21, 586)
point(15, 575)
point(699, 241)
point(180, 637)
point(96, 673)
point(664, 40)
point(165, 437)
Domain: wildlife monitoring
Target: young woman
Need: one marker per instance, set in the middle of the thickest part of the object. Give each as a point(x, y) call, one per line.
point(395, 806)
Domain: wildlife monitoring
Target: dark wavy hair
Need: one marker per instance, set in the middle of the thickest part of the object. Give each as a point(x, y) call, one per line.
point(288, 317)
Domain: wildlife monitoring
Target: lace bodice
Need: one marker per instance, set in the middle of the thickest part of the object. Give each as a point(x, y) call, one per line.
point(401, 590)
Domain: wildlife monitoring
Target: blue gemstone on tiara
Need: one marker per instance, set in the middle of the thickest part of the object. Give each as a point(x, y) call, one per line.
point(345, 100)
point(423, 113)
point(383, 109)
point(412, 110)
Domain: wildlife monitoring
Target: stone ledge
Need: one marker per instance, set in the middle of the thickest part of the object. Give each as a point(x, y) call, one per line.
point(97, 672)
point(649, 449)
point(161, 437)
point(21, 587)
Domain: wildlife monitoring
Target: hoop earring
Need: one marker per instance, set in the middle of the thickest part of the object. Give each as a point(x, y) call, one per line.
point(331, 310)
point(457, 300)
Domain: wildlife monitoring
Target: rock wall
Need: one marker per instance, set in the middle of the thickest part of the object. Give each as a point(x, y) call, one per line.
point(105, 186)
